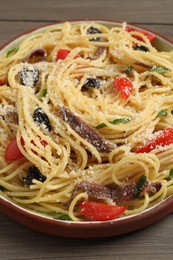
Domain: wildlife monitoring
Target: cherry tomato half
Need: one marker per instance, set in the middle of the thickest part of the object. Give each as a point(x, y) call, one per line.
point(164, 138)
point(1, 82)
point(62, 54)
point(101, 211)
point(12, 151)
point(149, 35)
point(124, 85)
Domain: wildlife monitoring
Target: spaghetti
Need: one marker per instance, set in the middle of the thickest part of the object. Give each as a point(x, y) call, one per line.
point(86, 116)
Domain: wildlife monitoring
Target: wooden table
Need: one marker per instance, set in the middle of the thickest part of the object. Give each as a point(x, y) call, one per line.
point(18, 242)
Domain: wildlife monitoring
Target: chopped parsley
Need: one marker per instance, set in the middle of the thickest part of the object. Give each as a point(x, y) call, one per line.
point(43, 92)
point(63, 217)
point(128, 70)
point(2, 188)
point(114, 122)
point(11, 52)
point(159, 69)
point(59, 216)
point(171, 174)
point(139, 186)
point(163, 113)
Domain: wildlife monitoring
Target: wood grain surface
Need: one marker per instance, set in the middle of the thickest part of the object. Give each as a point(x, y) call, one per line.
point(18, 242)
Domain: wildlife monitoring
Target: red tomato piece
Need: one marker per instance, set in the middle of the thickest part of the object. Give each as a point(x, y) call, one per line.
point(22, 141)
point(12, 151)
point(62, 54)
point(149, 35)
point(100, 211)
point(124, 85)
point(43, 142)
point(1, 82)
point(163, 139)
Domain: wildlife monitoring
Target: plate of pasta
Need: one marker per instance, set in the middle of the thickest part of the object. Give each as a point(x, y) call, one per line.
point(86, 128)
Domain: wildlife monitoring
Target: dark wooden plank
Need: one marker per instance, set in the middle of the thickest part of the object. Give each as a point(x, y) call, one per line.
point(154, 242)
point(9, 30)
point(157, 11)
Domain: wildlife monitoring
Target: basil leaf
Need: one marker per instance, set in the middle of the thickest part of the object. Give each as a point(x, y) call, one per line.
point(171, 174)
point(163, 113)
point(12, 51)
point(43, 92)
point(114, 122)
point(128, 70)
point(159, 69)
point(139, 186)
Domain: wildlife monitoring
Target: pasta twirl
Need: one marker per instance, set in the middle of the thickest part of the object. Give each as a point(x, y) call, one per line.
point(86, 115)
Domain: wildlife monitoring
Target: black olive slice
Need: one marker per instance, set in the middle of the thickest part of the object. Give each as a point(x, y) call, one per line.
point(33, 173)
point(140, 47)
point(94, 30)
point(91, 83)
point(29, 76)
point(36, 55)
point(41, 118)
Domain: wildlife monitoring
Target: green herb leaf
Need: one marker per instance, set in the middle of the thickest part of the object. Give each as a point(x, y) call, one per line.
point(128, 70)
point(171, 174)
point(2, 188)
point(56, 215)
point(63, 217)
point(159, 69)
point(12, 51)
point(139, 186)
point(114, 122)
point(43, 92)
point(163, 113)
